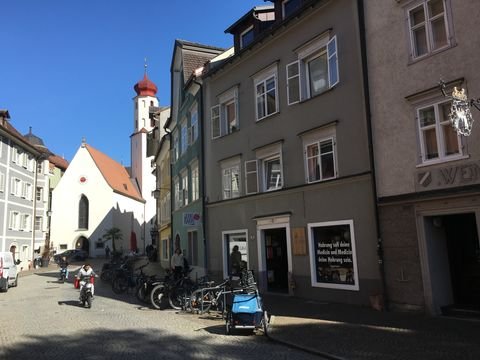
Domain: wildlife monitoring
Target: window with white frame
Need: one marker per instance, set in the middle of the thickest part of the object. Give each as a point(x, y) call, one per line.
point(184, 176)
point(315, 71)
point(268, 169)
point(39, 194)
point(193, 125)
point(14, 220)
point(178, 193)
point(333, 260)
point(176, 149)
point(224, 116)
point(14, 155)
point(184, 137)
point(266, 98)
point(319, 147)
point(25, 222)
point(251, 177)
point(2, 182)
point(231, 178)
point(438, 139)
point(165, 211)
point(246, 37)
point(16, 187)
point(27, 191)
point(38, 223)
point(429, 28)
point(195, 179)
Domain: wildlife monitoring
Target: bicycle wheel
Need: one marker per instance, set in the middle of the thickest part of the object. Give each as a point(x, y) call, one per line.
point(142, 294)
point(201, 301)
point(120, 285)
point(156, 296)
point(106, 275)
point(177, 297)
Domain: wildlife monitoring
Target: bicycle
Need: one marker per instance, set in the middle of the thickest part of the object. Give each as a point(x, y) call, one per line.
point(126, 278)
point(210, 297)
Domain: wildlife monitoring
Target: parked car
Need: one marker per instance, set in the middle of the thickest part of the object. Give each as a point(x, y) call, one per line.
point(71, 255)
point(8, 271)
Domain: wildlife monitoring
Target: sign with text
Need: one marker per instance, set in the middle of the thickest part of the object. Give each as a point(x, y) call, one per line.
point(467, 173)
point(333, 259)
point(191, 219)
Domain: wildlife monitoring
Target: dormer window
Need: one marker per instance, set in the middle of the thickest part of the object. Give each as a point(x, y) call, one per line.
point(289, 7)
point(246, 37)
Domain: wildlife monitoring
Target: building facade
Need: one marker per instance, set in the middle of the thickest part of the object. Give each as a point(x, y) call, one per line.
point(24, 193)
point(427, 174)
point(288, 175)
point(188, 231)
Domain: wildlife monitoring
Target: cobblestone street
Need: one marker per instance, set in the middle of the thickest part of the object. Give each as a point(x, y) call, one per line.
point(41, 319)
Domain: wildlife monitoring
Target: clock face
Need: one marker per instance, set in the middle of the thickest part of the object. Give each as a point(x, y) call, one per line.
point(82, 179)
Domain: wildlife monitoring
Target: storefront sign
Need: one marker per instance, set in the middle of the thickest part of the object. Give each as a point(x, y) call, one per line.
point(191, 219)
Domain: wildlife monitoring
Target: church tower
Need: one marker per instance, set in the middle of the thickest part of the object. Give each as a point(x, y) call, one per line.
point(141, 165)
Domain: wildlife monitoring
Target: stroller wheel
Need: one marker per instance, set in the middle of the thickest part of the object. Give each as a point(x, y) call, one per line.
point(266, 322)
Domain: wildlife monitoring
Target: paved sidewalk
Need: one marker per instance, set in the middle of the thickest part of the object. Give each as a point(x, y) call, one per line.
point(352, 332)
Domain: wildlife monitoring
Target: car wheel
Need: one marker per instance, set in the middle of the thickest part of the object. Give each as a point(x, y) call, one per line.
point(15, 284)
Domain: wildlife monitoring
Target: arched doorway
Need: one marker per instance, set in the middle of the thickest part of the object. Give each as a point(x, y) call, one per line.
point(82, 244)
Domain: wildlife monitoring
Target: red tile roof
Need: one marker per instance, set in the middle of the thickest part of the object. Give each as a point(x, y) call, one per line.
point(115, 174)
point(58, 161)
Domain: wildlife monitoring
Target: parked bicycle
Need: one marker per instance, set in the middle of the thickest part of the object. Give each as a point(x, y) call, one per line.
point(126, 278)
point(176, 290)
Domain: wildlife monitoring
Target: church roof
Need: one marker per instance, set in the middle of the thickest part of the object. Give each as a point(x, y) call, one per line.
point(115, 174)
point(145, 87)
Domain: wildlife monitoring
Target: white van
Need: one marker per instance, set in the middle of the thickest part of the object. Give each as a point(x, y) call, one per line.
point(8, 271)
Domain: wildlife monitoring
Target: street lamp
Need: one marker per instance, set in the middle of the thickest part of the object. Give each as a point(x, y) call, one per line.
point(460, 115)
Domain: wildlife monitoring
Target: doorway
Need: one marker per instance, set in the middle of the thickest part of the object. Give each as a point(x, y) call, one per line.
point(83, 244)
point(464, 258)
point(276, 260)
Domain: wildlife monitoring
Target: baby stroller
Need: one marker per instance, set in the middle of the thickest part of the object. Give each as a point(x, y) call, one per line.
point(246, 309)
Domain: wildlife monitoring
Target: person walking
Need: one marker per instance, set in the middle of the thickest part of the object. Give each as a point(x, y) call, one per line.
point(235, 261)
point(177, 263)
point(107, 252)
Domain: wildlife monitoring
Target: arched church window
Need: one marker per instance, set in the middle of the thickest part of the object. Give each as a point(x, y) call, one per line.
point(83, 213)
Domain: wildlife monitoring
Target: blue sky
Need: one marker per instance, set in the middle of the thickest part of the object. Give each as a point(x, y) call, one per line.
point(68, 67)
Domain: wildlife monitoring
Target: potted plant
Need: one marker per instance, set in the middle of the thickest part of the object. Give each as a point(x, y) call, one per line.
point(46, 254)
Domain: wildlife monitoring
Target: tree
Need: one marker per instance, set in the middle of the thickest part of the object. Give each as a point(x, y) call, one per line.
point(113, 234)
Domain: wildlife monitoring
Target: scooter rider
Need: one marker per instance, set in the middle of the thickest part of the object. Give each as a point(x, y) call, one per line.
point(84, 275)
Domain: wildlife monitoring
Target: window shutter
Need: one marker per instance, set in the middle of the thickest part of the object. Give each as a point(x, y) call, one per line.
point(215, 120)
point(251, 178)
point(293, 82)
point(333, 77)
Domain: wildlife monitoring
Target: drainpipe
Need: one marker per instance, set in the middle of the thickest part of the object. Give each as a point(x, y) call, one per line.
point(366, 86)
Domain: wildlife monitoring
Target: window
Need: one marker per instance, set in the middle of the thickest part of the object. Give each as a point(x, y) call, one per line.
point(14, 155)
point(231, 239)
point(192, 255)
point(164, 252)
point(25, 222)
point(184, 139)
point(39, 194)
point(193, 126)
point(231, 178)
point(175, 155)
point(38, 223)
point(2, 182)
point(178, 193)
point(251, 179)
point(246, 37)
point(27, 191)
point(16, 187)
point(438, 139)
point(315, 71)
point(266, 98)
point(266, 171)
point(184, 175)
point(429, 29)
point(14, 220)
point(224, 116)
point(289, 7)
point(319, 148)
point(165, 211)
point(83, 213)
point(195, 180)
point(333, 261)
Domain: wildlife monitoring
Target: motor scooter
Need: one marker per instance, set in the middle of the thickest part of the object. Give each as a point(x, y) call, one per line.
point(87, 290)
point(63, 273)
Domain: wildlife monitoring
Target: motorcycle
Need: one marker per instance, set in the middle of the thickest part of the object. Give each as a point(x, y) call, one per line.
point(63, 274)
point(86, 291)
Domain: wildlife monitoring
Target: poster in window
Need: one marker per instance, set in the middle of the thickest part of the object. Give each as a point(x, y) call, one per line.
point(333, 256)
